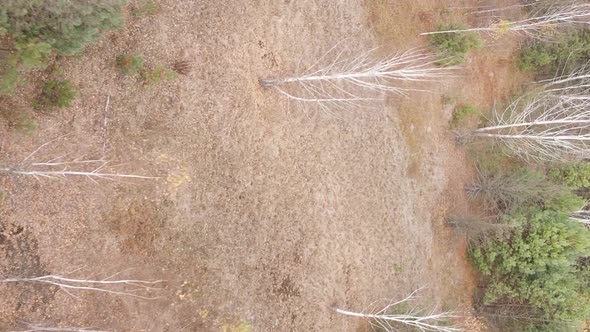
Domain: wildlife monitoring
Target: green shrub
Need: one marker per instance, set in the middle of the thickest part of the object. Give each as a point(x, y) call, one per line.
point(66, 25)
point(538, 267)
point(9, 78)
point(568, 201)
point(38, 27)
point(461, 114)
point(56, 93)
point(535, 57)
point(452, 47)
point(569, 52)
point(575, 175)
point(158, 74)
point(33, 54)
point(130, 64)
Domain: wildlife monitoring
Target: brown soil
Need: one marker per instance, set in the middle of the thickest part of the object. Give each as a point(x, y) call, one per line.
point(264, 216)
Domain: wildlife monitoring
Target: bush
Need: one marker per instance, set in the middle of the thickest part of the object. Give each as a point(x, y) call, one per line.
point(130, 64)
point(575, 175)
point(66, 25)
point(461, 114)
point(535, 57)
point(158, 74)
point(453, 47)
point(573, 50)
point(38, 27)
point(33, 54)
point(56, 93)
point(537, 271)
point(9, 78)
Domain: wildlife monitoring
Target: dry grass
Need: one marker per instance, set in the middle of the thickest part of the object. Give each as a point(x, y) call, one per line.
point(182, 67)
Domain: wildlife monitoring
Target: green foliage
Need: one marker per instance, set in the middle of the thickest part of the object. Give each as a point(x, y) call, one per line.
point(454, 46)
point(575, 175)
point(461, 114)
point(66, 25)
point(568, 201)
point(33, 54)
point(158, 74)
point(9, 78)
point(538, 267)
point(56, 93)
point(130, 64)
point(535, 57)
point(571, 51)
point(39, 27)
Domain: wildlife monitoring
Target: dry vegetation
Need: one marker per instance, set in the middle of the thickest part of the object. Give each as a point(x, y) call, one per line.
point(230, 166)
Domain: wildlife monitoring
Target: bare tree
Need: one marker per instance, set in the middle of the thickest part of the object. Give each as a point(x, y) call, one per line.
point(140, 289)
point(581, 216)
point(29, 327)
point(388, 320)
point(551, 126)
point(358, 81)
point(93, 169)
point(475, 227)
point(501, 191)
point(554, 16)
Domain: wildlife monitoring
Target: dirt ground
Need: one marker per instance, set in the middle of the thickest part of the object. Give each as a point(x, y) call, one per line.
point(264, 217)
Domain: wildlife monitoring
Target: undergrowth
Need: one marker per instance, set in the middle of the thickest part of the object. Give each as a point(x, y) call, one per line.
point(453, 47)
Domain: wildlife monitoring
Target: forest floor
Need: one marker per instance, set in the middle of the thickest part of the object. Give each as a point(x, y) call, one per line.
point(264, 216)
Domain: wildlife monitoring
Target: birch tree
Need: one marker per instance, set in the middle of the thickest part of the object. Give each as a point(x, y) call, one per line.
point(61, 167)
point(388, 318)
point(351, 82)
point(136, 288)
point(30, 327)
point(553, 125)
point(553, 17)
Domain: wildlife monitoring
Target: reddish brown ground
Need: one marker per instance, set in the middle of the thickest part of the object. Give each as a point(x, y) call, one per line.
point(264, 216)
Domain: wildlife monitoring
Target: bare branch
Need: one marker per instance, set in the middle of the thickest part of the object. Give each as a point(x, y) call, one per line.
point(553, 125)
point(123, 287)
point(92, 169)
point(29, 327)
point(552, 18)
point(359, 81)
point(410, 316)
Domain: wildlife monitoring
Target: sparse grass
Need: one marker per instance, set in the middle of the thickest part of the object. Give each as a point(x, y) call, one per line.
point(129, 64)
point(158, 74)
point(462, 114)
point(453, 47)
point(23, 123)
point(55, 93)
point(146, 8)
point(237, 327)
